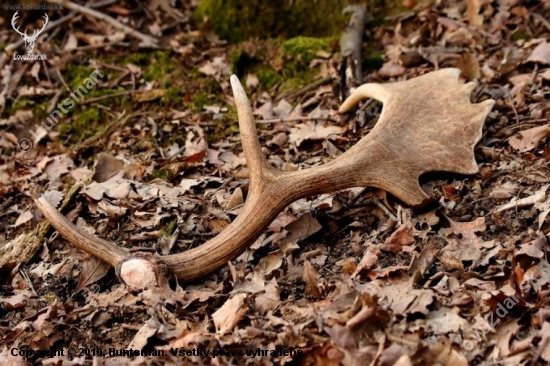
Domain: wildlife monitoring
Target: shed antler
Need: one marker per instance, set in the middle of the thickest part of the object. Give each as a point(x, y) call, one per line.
point(427, 124)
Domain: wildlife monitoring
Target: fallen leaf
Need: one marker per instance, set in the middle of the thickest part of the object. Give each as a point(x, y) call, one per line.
point(541, 54)
point(230, 313)
point(313, 131)
point(302, 228)
point(473, 7)
point(400, 238)
point(23, 218)
point(92, 270)
point(529, 139)
point(311, 277)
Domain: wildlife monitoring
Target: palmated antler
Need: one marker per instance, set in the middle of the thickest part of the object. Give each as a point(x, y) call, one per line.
point(427, 124)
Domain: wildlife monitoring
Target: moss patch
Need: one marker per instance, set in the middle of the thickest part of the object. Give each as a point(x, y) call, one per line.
point(241, 20)
point(169, 228)
point(285, 64)
point(82, 125)
point(306, 48)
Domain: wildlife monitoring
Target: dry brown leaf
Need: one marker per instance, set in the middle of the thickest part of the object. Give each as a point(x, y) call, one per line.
point(541, 54)
point(7, 359)
point(23, 218)
point(400, 238)
point(401, 297)
point(545, 335)
point(270, 299)
point(271, 262)
point(391, 70)
point(313, 131)
point(92, 270)
point(464, 245)
point(236, 199)
point(17, 301)
point(311, 277)
point(445, 320)
point(535, 248)
point(529, 139)
point(230, 313)
point(368, 261)
point(147, 330)
point(300, 229)
point(473, 7)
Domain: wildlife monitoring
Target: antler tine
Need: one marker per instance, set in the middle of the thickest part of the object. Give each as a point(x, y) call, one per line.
point(16, 16)
point(371, 90)
point(102, 249)
point(249, 137)
point(44, 23)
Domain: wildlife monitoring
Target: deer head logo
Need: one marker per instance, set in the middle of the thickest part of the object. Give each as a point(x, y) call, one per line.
point(29, 40)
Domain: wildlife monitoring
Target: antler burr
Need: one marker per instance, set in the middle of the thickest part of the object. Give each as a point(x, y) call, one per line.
point(427, 124)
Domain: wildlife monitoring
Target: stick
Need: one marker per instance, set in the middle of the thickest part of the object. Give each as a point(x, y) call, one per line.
point(295, 119)
point(146, 40)
point(305, 89)
point(350, 42)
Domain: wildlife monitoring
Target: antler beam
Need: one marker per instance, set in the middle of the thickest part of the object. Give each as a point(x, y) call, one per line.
point(427, 124)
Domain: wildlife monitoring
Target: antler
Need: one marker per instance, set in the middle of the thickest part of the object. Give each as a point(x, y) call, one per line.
point(37, 32)
point(427, 124)
point(15, 16)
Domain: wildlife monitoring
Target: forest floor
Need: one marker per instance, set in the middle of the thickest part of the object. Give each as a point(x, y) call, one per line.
point(353, 278)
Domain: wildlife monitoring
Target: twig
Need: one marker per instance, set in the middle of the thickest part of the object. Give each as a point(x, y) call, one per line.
point(305, 89)
point(97, 99)
point(147, 41)
point(542, 346)
point(524, 202)
point(121, 120)
point(541, 19)
point(100, 45)
point(511, 103)
point(295, 119)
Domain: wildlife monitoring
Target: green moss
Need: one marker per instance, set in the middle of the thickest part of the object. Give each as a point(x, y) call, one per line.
point(373, 62)
point(306, 48)
point(292, 57)
point(520, 36)
point(239, 20)
point(169, 228)
point(82, 125)
point(22, 103)
point(203, 91)
point(163, 174)
point(224, 127)
point(160, 68)
point(76, 74)
point(240, 62)
point(139, 59)
point(268, 77)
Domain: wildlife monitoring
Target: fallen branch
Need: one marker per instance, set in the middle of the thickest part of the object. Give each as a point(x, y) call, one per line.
point(147, 41)
point(20, 250)
point(539, 196)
